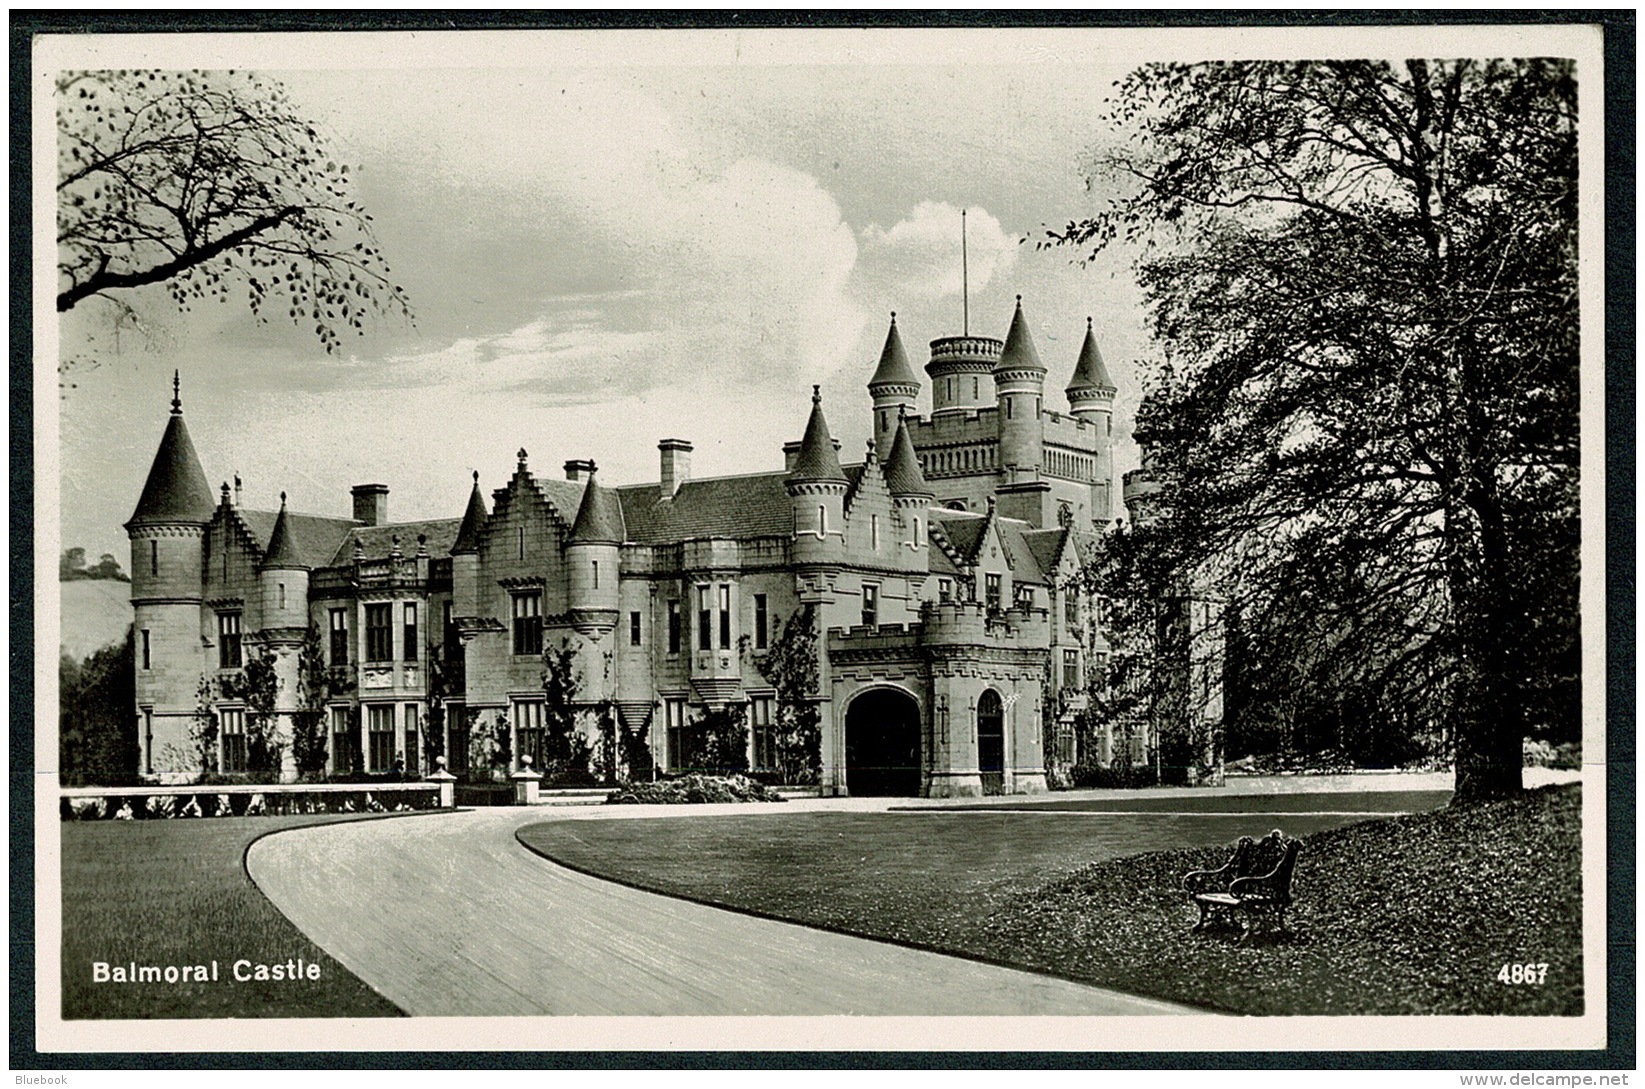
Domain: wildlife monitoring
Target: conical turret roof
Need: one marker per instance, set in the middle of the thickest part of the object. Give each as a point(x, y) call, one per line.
point(893, 368)
point(598, 519)
point(176, 489)
point(1089, 372)
point(468, 534)
point(817, 460)
point(1018, 353)
point(282, 546)
point(902, 468)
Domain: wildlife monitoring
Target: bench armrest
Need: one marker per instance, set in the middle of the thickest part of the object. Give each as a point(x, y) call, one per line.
point(1206, 880)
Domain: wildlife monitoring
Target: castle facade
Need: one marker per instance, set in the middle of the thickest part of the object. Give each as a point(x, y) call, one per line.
point(952, 637)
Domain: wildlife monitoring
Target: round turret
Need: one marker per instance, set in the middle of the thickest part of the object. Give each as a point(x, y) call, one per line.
point(894, 388)
point(1019, 382)
point(816, 489)
point(961, 371)
point(284, 579)
point(592, 554)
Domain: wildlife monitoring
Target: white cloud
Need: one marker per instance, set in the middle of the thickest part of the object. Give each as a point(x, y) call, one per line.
point(919, 257)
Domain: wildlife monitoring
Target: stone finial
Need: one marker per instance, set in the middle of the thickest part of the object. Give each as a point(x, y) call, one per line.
point(422, 544)
point(282, 500)
point(394, 547)
point(521, 456)
point(359, 550)
point(225, 493)
point(176, 393)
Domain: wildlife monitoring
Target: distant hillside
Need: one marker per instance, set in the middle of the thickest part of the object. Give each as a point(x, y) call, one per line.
point(95, 613)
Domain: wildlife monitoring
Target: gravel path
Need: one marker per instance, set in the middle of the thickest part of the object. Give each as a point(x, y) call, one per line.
point(449, 915)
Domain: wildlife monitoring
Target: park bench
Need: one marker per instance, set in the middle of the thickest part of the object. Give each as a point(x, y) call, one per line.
point(1254, 884)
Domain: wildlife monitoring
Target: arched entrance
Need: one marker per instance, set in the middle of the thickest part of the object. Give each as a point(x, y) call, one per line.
point(882, 744)
point(991, 742)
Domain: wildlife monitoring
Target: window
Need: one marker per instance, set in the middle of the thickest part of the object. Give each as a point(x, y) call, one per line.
point(874, 532)
point(725, 617)
point(232, 721)
point(154, 557)
point(342, 741)
point(762, 623)
point(634, 629)
point(705, 621)
point(148, 741)
point(596, 565)
point(1071, 607)
point(380, 734)
point(528, 623)
point(945, 589)
point(457, 730)
point(763, 732)
point(974, 389)
point(1008, 408)
point(916, 531)
point(870, 604)
point(992, 587)
point(674, 721)
point(380, 632)
point(1024, 596)
point(412, 745)
point(409, 650)
point(228, 640)
point(1070, 669)
point(822, 518)
point(145, 635)
point(446, 631)
point(673, 626)
point(281, 587)
point(528, 731)
point(339, 637)
point(519, 538)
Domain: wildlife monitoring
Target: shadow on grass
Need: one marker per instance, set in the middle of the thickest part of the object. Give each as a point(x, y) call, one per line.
point(176, 892)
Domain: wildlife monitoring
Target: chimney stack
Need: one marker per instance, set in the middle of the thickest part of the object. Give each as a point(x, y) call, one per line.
point(676, 465)
point(370, 503)
point(577, 468)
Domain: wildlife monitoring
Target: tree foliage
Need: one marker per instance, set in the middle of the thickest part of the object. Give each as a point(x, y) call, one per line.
point(97, 733)
point(792, 667)
point(211, 184)
point(1363, 279)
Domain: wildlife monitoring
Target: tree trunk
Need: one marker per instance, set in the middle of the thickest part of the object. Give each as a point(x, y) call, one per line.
point(1488, 703)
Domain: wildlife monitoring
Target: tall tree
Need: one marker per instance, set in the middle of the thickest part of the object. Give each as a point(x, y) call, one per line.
point(1363, 279)
point(211, 184)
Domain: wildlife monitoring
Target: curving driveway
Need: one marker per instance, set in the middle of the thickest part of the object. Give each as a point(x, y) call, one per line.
point(448, 915)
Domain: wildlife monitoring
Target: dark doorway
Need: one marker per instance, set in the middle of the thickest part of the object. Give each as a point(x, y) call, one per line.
point(991, 742)
point(882, 744)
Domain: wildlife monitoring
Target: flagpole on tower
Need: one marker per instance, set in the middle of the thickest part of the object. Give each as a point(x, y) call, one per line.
point(965, 280)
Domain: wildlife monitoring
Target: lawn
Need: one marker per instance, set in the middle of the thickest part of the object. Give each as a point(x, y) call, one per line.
point(1407, 914)
point(175, 892)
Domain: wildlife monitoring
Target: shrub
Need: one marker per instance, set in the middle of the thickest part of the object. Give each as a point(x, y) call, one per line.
point(1115, 777)
point(693, 790)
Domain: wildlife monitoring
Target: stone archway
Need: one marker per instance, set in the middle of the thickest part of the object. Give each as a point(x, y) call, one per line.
point(882, 744)
point(991, 742)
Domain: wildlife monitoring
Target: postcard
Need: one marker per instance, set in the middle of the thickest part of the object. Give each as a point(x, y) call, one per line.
point(1058, 539)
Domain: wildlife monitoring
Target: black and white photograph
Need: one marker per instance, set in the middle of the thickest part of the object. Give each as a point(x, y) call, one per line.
point(905, 539)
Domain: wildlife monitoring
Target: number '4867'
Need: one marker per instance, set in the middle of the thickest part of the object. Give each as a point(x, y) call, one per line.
point(1523, 973)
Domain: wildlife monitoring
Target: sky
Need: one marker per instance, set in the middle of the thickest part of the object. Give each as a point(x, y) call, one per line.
point(604, 255)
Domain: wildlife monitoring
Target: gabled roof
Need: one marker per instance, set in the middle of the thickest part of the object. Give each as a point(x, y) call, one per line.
point(176, 488)
point(962, 530)
point(1089, 372)
point(468, 533)
point(599, 516)
point(965, 533)
point(312, 538)
point(902, 468)
point(817, 462)
point(1018, 353)
point(893, 368)
point(282, 548)
point(734, 507)
point(378, 541)
point(1046, 546)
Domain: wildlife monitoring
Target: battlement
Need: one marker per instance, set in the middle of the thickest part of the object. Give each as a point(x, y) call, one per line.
point(882, 636)
point(964, 352)
point(973, 623)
